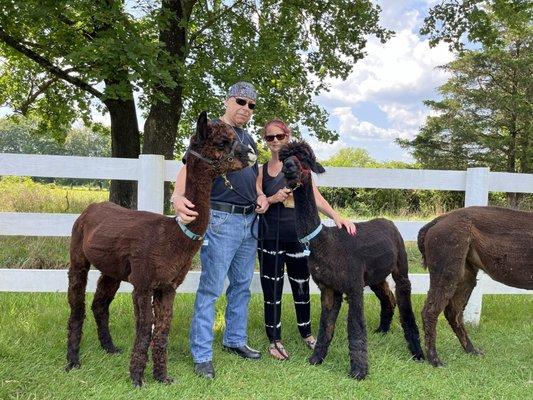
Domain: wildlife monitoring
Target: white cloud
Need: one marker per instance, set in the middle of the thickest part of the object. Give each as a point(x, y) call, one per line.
point(323, 150)
point(395, 77)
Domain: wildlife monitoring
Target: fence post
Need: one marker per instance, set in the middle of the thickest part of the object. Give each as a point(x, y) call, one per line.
point(476, 194)
point(151, 183)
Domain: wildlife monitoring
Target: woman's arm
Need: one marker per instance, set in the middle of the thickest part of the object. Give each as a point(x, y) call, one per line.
point(325, 208)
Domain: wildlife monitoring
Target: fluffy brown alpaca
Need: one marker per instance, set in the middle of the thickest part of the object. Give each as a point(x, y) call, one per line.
point(343, 264)
point(455, 246)
point(148, 250)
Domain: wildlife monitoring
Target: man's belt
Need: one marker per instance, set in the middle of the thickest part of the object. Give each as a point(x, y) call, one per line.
point(232, 208)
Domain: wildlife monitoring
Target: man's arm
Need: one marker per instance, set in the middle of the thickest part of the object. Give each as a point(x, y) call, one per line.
point(262, 202)
point(181, 204)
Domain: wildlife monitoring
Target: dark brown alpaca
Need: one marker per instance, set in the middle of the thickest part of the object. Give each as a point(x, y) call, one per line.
point(343, 264)
point(455, 246)
point(148, 250)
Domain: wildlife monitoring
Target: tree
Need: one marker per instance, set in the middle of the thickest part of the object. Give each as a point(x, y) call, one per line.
point(351, 157)
point(484, 118)
point(19, 136)
point(480, 22)
point(61, 57)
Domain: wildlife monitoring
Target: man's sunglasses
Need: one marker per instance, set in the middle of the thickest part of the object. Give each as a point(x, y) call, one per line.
point(279, 136)
point(243, 102)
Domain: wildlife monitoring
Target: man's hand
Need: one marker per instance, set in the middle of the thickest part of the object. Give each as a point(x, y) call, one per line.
point(183, 208)
point(262, 204)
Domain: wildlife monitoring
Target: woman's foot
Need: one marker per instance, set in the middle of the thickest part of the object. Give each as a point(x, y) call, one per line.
point(310, 342)
point(277, 351)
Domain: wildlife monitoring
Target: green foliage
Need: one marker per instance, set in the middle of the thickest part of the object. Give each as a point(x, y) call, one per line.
point(478, 21)
point(287, 49)
point(21, 135)
point(484, 118)
point(367, 203)
point(351, 157)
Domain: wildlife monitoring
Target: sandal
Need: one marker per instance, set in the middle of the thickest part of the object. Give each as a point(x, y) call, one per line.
point(277, 351)
point(310, 342)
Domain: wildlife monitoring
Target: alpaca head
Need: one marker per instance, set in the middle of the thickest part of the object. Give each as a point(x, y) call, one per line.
point(217, 145)
point(298, 162)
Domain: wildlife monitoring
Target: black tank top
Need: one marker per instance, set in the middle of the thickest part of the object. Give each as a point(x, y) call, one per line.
point(287, 230)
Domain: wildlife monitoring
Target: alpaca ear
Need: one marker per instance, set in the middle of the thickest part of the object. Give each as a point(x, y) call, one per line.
point(317, 168)
point(201, 126)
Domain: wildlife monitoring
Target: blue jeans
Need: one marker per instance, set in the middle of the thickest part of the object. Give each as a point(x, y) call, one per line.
point(230, 252)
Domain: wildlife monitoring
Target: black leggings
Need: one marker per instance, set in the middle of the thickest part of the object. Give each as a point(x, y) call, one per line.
point(272, 270)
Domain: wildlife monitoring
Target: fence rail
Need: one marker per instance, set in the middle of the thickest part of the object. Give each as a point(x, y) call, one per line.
point(151, 172)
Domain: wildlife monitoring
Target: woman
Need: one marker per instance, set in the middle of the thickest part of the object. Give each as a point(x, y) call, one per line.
point(280, 245)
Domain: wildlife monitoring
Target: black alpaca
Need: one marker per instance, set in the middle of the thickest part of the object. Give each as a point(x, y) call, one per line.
point(343, 264)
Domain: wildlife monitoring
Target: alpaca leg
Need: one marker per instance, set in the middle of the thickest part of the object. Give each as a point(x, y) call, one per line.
point(142, 300)
point(357, 334)
point(454, 310)
point(104, 295)
point(438, 297)
point(163, 306)
point(445, 269)
point(77, 282)
point(407, 317)
point(387, 302)
point(331, 304)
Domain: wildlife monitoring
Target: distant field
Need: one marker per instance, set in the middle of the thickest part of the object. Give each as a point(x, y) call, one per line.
point(25, 195)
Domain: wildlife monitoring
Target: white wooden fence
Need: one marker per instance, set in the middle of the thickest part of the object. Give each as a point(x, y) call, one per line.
point(151, 171)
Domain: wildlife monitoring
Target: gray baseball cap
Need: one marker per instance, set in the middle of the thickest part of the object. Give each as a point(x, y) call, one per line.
point(242, 89)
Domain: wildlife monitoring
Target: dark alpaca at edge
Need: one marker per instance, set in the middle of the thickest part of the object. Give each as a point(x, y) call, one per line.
point(455, 246)
point(148, 250)
point(343, 264)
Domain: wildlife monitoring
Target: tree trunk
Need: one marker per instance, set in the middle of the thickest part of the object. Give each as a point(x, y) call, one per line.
point(125, 143)
point(161, 126)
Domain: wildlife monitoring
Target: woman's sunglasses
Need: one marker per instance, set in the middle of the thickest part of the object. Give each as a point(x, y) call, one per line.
point(279, 136)
point(243, 102)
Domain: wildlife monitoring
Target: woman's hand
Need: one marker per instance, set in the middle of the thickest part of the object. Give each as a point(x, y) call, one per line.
point(348, 225)
point(280, 196)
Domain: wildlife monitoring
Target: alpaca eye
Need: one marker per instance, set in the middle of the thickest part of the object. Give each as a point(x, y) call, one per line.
point(221, 145)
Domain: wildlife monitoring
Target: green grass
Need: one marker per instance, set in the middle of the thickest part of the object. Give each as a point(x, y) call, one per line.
point(33, 337)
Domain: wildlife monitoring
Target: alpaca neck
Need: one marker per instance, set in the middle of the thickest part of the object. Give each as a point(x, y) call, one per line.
point(198, 191)
point(307, 218)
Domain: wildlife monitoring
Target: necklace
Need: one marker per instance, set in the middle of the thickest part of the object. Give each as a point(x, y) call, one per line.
point(235, 130)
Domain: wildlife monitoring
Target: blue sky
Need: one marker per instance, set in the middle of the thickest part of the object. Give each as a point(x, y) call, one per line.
point(381, 99)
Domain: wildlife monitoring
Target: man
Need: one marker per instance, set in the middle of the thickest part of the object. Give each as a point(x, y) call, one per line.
point(230, 249)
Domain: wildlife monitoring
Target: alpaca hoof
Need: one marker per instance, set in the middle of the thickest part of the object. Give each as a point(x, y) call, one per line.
point(358, 372)
point(167, 380)
point(418, 357)
point(137, 383)
point(113, 350)
point(315, 359)
point(381, 330)
point(475, 352)
point(72, 365)
point(437, 363)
